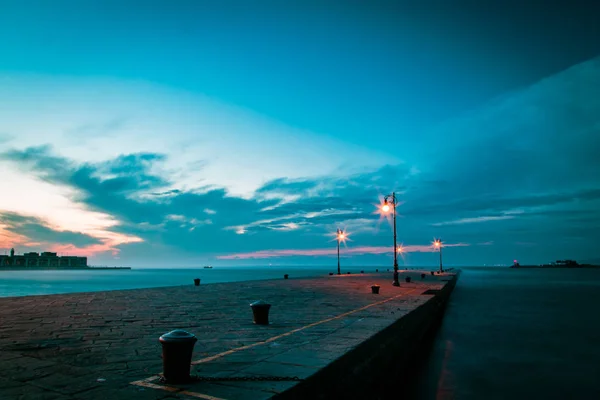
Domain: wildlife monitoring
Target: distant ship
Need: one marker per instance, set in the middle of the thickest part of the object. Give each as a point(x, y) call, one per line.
point(208, 266)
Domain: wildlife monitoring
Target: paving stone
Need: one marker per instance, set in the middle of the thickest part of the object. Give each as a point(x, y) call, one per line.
point(59, 346)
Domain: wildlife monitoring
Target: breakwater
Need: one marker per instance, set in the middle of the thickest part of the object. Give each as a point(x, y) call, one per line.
point(326, 333)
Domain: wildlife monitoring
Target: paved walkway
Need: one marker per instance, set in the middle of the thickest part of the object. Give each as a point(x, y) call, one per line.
point(104, 345)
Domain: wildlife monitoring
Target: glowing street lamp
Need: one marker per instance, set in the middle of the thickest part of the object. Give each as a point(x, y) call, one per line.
point(341, 235)
point(438, 244)
point(390, 201)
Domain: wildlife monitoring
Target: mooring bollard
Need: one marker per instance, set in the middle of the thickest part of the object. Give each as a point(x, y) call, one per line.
point(376, 270)
point(286, 276)
point(260, 312)
point(177, 349)
point(331, 273)
point(422, 276)
point(348, 272)
point(362, 272)
point(197, 281)
point(432, 272)
point(407, 279)
point(375, 289)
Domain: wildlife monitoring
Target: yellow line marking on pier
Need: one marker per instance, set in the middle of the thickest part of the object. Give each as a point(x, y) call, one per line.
point(274, 338)
point(147, 382)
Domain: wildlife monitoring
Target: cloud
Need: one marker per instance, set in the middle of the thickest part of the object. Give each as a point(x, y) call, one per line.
point(36, 234)
point(474, 220)
point(360, 250)
point(39, 231)
point(179, 219)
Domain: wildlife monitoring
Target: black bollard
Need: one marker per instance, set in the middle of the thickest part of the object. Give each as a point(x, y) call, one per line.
point(407, 279)
point(197, 281)
point(432, 272)
point(422, 276)
point(376, 270)
point(331, 273)
point(260, 312)
point(375, 289)
point(362, 272)
point(177, 349)
point(348, 272)
point(286, 276)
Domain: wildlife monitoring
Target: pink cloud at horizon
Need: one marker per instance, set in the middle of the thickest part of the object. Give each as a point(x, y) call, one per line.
point(109, 243)
point(10, 239)
point(332, 252)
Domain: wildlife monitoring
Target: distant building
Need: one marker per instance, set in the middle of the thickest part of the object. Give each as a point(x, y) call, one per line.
point(45, 259)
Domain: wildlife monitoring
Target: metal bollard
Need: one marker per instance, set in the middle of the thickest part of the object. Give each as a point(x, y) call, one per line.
point(376, 270)
point(375, 289)
point(260, 312)
point(432, 272)
point(331, 273)
point(177, 349)
point(362, 272)
point(197, 281)
point(407, 279)
point(348, 272)
point(286, 276)
point(422, 276)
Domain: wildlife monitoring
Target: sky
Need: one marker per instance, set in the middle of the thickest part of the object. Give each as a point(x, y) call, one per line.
point(189, 133)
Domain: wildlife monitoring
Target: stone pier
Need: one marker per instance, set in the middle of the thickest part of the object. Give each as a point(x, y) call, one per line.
point(328, 337)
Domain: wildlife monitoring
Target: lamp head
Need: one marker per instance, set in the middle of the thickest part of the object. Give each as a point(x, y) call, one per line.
point(386, 206)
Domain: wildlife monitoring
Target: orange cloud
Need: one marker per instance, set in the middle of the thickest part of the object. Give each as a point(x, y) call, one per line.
point(332, 252)
point(109, 244)
point(10, 239)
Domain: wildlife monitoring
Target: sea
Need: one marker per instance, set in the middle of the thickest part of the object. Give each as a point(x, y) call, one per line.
point(506, 334)
point(39, 282)
point(516, 334)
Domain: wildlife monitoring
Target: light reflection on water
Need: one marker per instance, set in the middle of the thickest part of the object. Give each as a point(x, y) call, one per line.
point(517, 334)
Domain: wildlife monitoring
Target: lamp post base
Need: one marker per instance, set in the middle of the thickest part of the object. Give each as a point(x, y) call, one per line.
point(396, 282)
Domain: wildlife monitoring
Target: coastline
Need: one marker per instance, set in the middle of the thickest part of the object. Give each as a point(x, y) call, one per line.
point(555, 267)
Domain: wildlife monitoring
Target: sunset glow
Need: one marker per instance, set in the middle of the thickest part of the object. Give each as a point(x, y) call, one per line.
point(182, 152)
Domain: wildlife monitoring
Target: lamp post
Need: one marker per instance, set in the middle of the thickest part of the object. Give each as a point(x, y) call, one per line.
point(438, 244)
point(340, 236)
point(391, 198)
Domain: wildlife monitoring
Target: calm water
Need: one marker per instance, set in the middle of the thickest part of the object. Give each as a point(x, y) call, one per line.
point(22, 283)
point(517, 334)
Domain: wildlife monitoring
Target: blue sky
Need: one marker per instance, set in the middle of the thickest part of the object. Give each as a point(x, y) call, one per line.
point(190, 133)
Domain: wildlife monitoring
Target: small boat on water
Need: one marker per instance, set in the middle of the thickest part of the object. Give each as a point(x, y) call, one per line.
point(208, 266)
